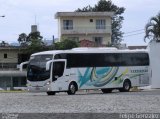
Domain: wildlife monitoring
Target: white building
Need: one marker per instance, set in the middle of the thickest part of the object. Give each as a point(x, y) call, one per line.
point(94, 27)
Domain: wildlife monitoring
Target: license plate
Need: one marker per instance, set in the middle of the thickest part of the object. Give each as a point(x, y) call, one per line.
point(37, 88)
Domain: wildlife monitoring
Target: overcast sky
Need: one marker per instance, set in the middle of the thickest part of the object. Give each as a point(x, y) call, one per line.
point(21, 14)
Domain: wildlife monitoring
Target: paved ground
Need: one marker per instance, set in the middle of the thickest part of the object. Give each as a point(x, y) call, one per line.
point(93, 102)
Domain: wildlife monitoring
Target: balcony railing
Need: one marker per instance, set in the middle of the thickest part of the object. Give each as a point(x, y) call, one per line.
point(8, 66)
point(86, 30)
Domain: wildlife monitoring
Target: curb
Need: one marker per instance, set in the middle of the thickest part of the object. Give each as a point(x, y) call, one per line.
point(135, 89)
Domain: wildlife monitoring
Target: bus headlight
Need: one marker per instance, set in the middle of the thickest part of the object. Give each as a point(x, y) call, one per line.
point(48, 83)
point(28, 84)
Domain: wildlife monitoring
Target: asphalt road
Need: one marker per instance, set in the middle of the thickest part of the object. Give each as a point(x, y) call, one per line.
point(82, 102)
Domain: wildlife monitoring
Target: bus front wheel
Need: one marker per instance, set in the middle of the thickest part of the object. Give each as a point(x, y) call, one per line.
point(72, 88)
point(126, 86)
point(51, 93)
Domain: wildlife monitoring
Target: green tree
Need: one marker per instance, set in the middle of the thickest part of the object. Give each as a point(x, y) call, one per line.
point(117, 19)
point(152, 29)
point(65, 44)
point(33, 42)
point(3, 43)
point(23, 40)
point(36, 43)
point(35, 36)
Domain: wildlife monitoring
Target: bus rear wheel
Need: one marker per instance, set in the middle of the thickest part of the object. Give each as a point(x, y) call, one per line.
point(51, 93)
point(106, 90)
point(72, 88)
point(126, 86)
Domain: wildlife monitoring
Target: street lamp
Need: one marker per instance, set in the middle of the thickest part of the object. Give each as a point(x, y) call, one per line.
point(2, 16)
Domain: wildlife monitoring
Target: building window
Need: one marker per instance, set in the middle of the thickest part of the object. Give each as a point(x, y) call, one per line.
point(91, 20)
point(98, 41)
point(101, 24)
point(67, 24)
point(5, 55)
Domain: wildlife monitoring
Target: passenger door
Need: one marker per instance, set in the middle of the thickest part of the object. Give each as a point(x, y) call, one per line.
point(58, 69)
point(60, 74)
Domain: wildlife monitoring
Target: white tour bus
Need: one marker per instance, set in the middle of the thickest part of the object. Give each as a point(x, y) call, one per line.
point(87, 68)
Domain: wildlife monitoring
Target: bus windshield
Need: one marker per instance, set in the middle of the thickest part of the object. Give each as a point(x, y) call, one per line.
point(37, 68)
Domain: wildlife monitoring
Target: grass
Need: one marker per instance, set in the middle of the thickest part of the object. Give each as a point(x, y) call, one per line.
point(12, 91)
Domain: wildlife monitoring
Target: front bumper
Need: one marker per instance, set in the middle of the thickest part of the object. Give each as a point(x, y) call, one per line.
point(39, 88)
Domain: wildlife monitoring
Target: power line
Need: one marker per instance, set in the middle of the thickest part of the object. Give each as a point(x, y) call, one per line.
point(130, 32)
point(134, 34)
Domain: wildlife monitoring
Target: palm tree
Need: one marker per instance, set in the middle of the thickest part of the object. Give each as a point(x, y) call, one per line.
point(152, 29)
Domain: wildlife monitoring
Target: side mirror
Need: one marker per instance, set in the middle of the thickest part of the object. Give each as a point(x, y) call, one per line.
point(22, 64)
point(48, 64)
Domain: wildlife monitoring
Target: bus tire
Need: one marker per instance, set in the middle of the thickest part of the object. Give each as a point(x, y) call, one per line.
point(126, 86)
point(51, 93)
point(106, 90)
point(72, 88)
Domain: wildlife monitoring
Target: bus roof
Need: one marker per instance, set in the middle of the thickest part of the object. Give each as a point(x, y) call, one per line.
point(92, 50)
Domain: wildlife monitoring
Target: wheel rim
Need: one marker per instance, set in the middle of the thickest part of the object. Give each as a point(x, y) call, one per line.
point(72, 88)
point(127, 86)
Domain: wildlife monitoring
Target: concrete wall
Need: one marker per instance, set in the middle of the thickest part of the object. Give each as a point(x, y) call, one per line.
point(154, 48)
point(12, 56)
point(10, 77)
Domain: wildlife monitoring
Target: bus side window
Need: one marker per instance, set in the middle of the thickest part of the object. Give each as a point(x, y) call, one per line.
point(58, 69)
